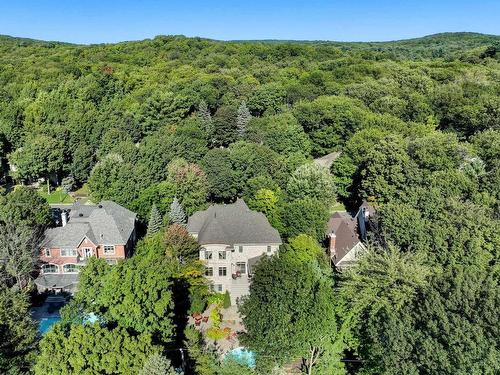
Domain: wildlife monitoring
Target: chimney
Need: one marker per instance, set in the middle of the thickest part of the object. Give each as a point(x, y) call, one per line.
point(333, 239)
point(64, 217)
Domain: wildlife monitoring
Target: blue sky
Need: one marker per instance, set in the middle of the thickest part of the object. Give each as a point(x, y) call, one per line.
point(94, 21)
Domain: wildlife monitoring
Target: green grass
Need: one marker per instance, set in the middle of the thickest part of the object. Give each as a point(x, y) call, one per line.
point(56, 197)
point(336, 207)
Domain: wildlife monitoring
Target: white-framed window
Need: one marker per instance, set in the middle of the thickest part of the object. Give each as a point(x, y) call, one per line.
point(50, 268)
point(222, 254)
point(111, 261)
point(209, 271)
point(216, 288)
point(222, 271)
point(208, 255)
point(69, 252)
point(268, 249)
point(46, 252)
point(240, 248)
point(70, 268)
point(109, 249)
point(241, 267)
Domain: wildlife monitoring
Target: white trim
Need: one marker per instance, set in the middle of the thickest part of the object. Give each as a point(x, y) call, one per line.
point(68, 249)
point(50, 264)
point(104, 249)
point(70, 264)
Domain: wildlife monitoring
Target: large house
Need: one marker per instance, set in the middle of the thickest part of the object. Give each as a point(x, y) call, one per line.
point(232, 239)
point(346, 235)
point(106, 230)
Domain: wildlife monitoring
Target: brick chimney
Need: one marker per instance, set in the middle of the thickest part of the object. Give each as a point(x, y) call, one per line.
point(333, 239)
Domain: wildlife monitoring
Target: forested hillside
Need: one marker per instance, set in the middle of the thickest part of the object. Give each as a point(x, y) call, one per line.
point(417, 123)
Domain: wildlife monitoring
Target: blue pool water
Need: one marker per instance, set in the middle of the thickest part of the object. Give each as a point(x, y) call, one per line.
point(45, 323)
point(242, 356)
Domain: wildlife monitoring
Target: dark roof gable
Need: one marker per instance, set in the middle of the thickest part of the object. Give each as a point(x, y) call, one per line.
point(232, 224)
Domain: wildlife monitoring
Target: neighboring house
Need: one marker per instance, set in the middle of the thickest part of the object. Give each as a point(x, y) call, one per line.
point(346, 234)
point(232, 239)
point(103, 231)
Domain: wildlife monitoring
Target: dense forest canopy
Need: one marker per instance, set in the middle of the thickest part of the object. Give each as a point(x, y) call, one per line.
point(169, 125)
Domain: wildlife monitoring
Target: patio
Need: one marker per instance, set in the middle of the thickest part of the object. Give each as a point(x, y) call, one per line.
point(227, 328)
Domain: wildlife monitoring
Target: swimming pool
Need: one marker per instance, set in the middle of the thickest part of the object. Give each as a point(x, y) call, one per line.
point(44, 324)
point(242, 356)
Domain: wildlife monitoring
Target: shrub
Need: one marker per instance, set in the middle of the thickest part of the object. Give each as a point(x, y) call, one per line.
point(227, 300)
point(215, 333)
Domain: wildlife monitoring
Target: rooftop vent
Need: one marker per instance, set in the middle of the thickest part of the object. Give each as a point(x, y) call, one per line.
point(80, 214)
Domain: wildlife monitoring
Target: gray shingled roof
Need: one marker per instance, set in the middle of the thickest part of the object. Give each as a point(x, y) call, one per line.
point(232, 224)
point(56, 280)
point(106, 223)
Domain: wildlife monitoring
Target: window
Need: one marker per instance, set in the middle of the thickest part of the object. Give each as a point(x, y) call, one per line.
point(208, 255)
point(222, 271)
point(109, 249)
point(69, 252)
point(240, 249)
point(209, 271)
point(241, 267)
point(222, 254)
point(111, 261)
point(269, 249)
point(46, 252)
point(50, 268)
point(70, 268)
point(218, 287)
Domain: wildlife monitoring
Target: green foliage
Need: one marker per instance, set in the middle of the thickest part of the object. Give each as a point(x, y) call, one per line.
point(24, 206)
point(157, 365)
point(291, 314)
point(155, 222)
point(19, 246)
point(416, 122)
point(40, 156)
point(227, 300)
point(180, 244)
point(176, 214)
point(313, 181)
point(17, 331)
point(305, 249)
point(191, 187)
point(133, 294)
point(92, 349)
point(307, 216)
point(267, 202)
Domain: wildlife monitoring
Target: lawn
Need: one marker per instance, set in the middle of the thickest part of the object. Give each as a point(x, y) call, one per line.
point(336, 207)
point(55, 197)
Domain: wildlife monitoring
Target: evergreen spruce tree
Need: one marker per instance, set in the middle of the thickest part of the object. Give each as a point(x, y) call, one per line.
point(243, 119)
point(155, 220)
point(206, 119)
point(177, 214)
point(157, 365)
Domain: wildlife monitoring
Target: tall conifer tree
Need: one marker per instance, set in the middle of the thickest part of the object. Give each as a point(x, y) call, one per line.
point(155, 221)
point(243, 119)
